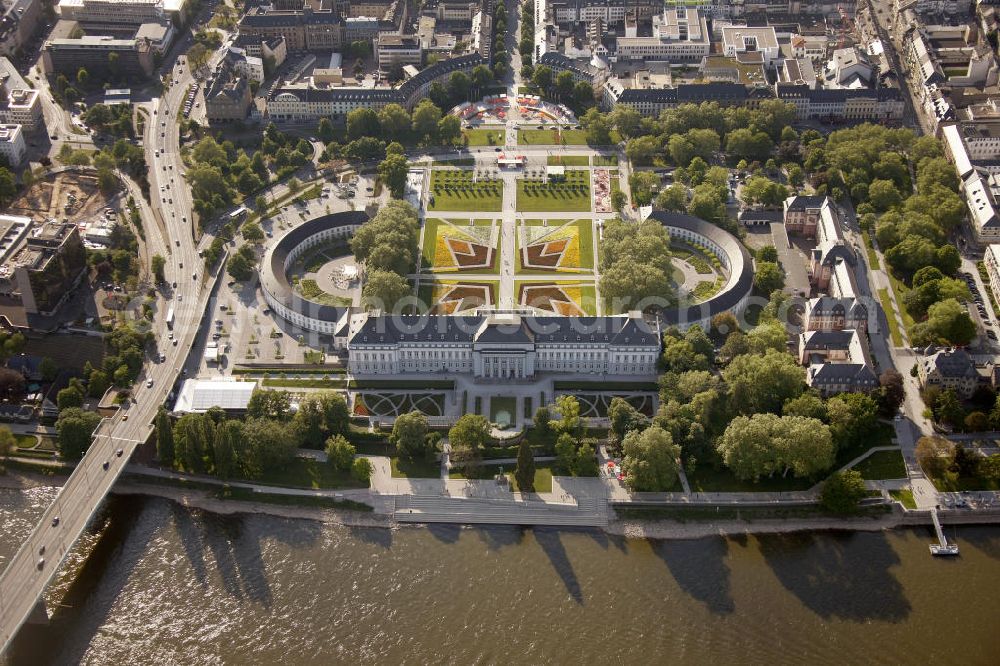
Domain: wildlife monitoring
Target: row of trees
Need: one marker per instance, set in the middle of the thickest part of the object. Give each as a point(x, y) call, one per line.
point(910, 220)
point(427, 125)
point(266, 441)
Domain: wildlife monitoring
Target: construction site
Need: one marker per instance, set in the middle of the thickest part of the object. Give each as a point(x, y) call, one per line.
point(64, 197)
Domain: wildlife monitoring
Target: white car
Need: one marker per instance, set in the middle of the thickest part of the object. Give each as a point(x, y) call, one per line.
point(149, 383)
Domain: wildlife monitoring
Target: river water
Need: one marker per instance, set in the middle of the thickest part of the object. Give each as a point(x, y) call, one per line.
point(166, 584)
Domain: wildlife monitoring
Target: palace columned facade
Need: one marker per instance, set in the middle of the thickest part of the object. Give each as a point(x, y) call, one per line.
point(504, 346)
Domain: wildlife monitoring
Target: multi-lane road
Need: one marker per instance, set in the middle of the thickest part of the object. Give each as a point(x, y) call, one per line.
point(30, 570)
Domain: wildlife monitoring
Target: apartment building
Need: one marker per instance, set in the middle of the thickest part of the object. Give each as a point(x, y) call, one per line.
point(12, 145)
point(18, 25)
point(123, 58)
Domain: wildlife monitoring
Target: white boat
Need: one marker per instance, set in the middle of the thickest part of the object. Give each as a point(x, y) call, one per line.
point(945, 550)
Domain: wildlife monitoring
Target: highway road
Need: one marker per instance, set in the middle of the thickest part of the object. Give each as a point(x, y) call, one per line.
point(30, 570)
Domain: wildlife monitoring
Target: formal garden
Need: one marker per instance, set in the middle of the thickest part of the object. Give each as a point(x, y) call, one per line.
point(451, 246)
point(569, 195)
point(462, 190)
point(546, 246)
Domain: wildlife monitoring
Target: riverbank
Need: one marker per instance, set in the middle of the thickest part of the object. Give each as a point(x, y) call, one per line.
point(631, 528)
point(205, 501)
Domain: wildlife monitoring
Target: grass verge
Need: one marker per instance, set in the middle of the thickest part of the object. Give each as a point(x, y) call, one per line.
point(890, 317)
point(883, 465)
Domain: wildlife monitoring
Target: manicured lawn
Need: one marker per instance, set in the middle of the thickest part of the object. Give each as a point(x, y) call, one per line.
point(543, 475)
point(455, 191)
point(602, 160)
point(26, 441)
point(415, 469)
point(550, 137)
point(309, 473)
point(904, 495)
point(900, 290)
point(870, 251)
point(881, 435)
point(456, 162)
point(311, 291)
point(484, 137)
point(568, 160)
point(883, 297)
point(573, 195)
point(883, 465)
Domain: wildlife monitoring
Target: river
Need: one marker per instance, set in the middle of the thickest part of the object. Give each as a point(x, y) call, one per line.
point(166, 584)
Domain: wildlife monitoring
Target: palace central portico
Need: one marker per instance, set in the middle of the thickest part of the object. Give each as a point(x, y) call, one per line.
point(503, 346)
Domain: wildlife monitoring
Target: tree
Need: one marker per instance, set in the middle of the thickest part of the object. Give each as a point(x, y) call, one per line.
point(339, 453)
point(947, 323)
point(325, 130)
point(164, 438)
point(197, 56)
point(673, 198)
point(763, 383)
point(159, 263)
point(642, 183)
point(392, 171)
point(626, 120)
point(808, 405)
point(7, 441)
point(569, 415)
point(542, 423)
point(524, 473)
point(891, 392)
point(618, 200)
point(883, 195)
point(935, 455)
point(852, 418)
point(362, 122)
point(252, 232)
point(395, 121)
point(745, 144)
point(624, 418)
point(842, 491)
point(361, 469)
point(542, 77)
point(409, 435)
point(228, 435)
point(240, 266)
point(650, 460)
point(425, 121)
point(269, 445)
point(468, 439)
point(449, 130)
point(763, 444)
point(566, 448)
point(768, 277)
point(12, 386)
point(49, 369)
point(74, 432)
point(384, 289)
point(269, 404)
point(69, 397)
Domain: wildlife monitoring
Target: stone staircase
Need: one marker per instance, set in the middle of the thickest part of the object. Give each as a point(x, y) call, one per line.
point(589, 512)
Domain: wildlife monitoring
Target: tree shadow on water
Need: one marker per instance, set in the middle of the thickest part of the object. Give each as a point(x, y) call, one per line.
point(190, 537)
point(605, 540)
point(498, 536)
point(840, 575)
point(986, 541)
point(376, 536)
point(444, 532)
point(548, 539)
point(699, 567)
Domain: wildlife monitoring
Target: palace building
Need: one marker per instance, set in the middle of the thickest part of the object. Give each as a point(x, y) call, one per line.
point(504, 345)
